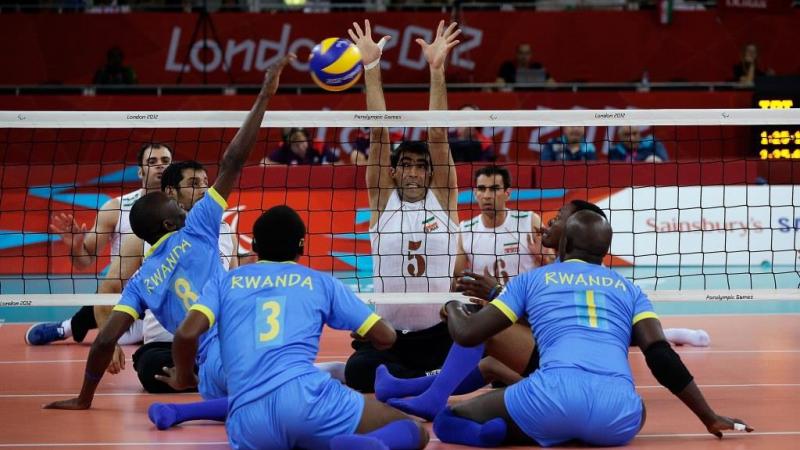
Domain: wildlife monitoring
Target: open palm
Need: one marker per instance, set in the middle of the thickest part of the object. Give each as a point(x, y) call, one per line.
point(369, 49)
point(72, 234)
point(436, 52)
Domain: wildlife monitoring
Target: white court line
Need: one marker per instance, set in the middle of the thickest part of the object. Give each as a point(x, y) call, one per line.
point(50, 361)
point(345, 357)
point(154, 444)
point(708, 351)
point(728, 434)
point(106, 394)
point(144, 394)
point(115, 444)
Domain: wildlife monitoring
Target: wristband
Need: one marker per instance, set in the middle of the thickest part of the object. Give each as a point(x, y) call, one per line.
point(373, 64)
point(495, 290)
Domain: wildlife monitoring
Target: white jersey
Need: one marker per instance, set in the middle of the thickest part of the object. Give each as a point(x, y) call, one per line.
point(153, 331)
point(504, 251)
point(413, 247)
point(123, 225)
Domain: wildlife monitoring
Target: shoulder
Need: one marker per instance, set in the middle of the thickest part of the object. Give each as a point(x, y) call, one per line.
point(112, 204)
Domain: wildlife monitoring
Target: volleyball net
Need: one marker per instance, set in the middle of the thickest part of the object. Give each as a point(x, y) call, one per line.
point(703, 202)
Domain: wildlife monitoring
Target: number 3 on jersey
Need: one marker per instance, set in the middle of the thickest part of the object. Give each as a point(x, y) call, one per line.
point(269, 316)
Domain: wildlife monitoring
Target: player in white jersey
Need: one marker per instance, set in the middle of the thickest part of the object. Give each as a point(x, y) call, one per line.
point(111, 225)
point(499, 242)
point(413, 198)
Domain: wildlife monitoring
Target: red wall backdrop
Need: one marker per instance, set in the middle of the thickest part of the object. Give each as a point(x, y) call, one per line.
point(581, 45)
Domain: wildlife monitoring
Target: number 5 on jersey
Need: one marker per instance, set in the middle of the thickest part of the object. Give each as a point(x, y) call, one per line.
point(269, 317)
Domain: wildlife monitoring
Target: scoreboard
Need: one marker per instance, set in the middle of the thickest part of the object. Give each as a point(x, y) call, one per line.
point(777, 142)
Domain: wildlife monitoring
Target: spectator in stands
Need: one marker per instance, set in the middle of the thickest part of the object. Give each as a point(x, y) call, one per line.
point(114, 72)
point(467, 144)
point(746, 70)
point(631, 146)
point(298, 148)
point(360, 147)
point(570, 146)
point(522, 69)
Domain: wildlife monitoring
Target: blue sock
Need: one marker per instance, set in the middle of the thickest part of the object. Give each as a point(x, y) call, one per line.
point(458, 430)
point(459, 364)
point(471, 383)
point(398, 435)
point(166, 415)
point(388, 386)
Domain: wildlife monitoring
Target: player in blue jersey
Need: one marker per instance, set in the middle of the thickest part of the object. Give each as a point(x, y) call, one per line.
point(269, 317)
point(183, 256)
point(583, 316)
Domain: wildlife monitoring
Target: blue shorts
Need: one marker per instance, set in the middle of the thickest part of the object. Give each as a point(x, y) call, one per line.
point(306, 412)
point(211, 374)
point(554, 406)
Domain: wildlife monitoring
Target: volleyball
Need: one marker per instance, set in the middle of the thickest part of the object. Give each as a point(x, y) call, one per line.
point(335, 64)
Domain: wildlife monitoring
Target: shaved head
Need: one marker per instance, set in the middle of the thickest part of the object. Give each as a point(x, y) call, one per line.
point(155, 215)
point(587, 236)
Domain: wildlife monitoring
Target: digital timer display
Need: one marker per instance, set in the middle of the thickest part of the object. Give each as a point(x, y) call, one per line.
point(771, 142)
point(778, 143)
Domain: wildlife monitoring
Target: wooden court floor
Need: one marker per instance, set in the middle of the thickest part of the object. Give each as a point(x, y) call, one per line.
point(751, 371)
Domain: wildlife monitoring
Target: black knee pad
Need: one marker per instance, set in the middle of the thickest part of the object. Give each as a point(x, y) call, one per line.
point(149, 361)
point(359, 371)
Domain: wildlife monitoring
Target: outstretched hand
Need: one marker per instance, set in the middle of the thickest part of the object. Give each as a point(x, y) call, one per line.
point(174, 381)
point(72, 234)
point(436, 52)
point(473, 284)
point(369, 49)
point(273, 75)
point(117, 363)
point(721, 423)
point(71, 404)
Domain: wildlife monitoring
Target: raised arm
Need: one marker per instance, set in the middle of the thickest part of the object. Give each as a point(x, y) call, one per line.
point(245, 139)
point(379, 176)
point(444, 183)
point(671, 373)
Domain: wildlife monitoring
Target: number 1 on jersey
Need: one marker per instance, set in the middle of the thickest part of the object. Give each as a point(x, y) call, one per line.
point(269, 319)
point(591, 308)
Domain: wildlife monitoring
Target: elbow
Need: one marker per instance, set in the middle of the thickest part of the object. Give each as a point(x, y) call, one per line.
point(465, 338)
point(386, 340)
point(184, 336)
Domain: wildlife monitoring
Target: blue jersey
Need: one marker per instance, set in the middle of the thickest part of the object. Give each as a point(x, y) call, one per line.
point(178, 266)
point(582, 315)
point(269, 319)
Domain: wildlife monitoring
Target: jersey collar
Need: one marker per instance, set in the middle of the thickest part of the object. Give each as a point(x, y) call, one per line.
point(158, 243)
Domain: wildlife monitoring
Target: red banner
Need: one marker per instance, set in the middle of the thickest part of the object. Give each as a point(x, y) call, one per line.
point(574, 46)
